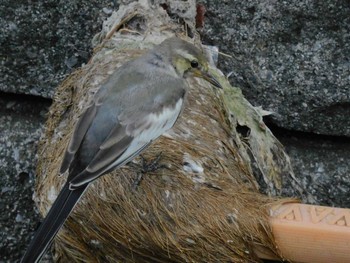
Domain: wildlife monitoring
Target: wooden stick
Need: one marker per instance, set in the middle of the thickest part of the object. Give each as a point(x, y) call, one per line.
point(308, 233)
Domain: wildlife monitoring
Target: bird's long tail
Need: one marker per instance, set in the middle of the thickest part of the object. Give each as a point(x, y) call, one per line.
point(56, 217)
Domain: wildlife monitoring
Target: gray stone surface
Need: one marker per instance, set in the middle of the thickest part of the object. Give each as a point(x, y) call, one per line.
point(321, 164)
point(291, 57)
point(21, 121)
point(43, 41)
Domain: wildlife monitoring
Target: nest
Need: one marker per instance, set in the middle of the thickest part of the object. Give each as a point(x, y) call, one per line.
point(201, 205)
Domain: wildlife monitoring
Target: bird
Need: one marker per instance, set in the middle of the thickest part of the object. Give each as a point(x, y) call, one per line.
point(138, 102)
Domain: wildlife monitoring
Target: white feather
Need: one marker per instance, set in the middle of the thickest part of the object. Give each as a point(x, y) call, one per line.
point(159, 123)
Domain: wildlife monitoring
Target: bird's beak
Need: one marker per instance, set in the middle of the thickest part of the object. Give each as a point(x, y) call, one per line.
point(207, 76)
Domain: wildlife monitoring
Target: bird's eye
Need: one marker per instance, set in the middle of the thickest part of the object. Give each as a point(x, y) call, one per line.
point(194, 64)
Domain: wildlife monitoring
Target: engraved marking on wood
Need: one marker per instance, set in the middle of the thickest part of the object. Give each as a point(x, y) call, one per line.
point(318, 213)
point(342, 219)
point(292, 213)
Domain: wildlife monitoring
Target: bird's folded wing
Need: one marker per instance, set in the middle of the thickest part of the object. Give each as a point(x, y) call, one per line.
point(120, 146)
point(119, 125)
point(80, 130)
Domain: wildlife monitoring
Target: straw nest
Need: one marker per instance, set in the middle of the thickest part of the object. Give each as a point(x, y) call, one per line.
point(202, 205)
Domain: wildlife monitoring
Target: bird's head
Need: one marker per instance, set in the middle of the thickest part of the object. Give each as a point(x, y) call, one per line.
point(188, 60)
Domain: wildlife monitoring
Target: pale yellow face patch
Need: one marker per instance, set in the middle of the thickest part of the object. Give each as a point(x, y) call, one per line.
point(183, 60)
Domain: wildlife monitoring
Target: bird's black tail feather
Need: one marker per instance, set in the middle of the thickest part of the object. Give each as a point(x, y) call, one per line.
point(56, 217)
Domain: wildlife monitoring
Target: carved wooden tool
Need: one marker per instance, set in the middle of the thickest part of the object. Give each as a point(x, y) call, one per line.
point(309, 233)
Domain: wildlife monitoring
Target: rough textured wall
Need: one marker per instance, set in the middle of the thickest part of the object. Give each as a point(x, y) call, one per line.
point(289, 56)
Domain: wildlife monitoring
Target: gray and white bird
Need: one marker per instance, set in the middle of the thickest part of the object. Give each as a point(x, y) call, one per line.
point(139, 102)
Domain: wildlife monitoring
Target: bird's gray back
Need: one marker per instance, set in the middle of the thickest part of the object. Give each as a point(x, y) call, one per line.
point(124, 103)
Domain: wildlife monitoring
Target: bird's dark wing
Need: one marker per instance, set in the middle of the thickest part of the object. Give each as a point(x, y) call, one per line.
point(53, 221)
point(80, 130)
point(125, 121)
point(127, 139)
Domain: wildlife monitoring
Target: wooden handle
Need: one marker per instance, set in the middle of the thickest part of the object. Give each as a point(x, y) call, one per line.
point(308, 233)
